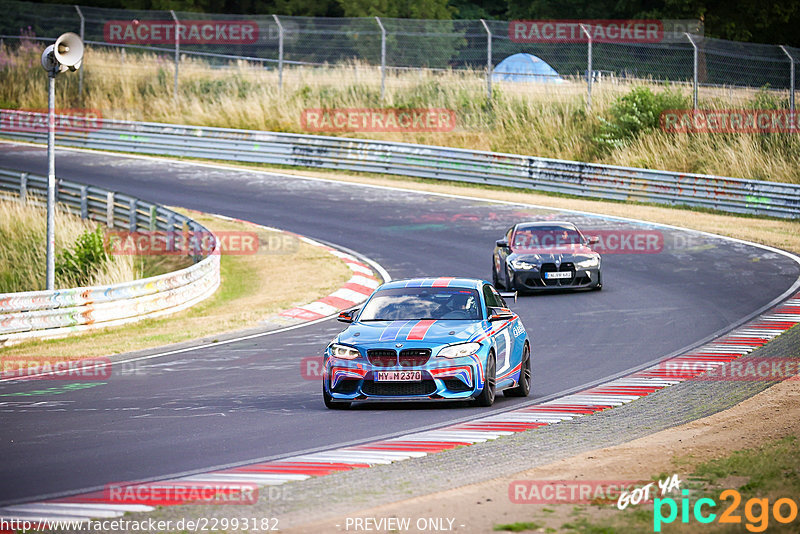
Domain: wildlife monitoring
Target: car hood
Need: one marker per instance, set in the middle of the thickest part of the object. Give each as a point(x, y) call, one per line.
point(554, 254)
point(428, 333)
point(558, 250)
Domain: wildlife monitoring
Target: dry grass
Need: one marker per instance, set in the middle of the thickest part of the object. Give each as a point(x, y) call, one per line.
point(23, 254)
point(253, 288)
point(535, 119)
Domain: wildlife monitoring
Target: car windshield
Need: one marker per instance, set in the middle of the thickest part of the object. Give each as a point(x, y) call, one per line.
point(537, 237)
point(415, 303)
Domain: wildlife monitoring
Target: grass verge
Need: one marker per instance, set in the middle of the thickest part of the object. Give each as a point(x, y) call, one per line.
point(761, 476)
point(253, 287)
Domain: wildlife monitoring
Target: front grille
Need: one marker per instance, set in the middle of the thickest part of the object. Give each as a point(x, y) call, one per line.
point(455, 385)
point(396, 389)
point(346, 386)
point(414, 357)
point(564, 267)
point(382, 357)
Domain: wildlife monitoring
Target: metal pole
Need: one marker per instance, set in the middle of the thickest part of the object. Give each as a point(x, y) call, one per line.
point(177, 51)
point(280, 53)
point(80, 74)
point(588, 69)
point(791, 78)
point(695, 82)
point(51, 182)
point(383, 57)
point(488, 60)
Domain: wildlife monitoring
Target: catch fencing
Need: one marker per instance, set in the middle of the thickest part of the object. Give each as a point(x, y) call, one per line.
point(594, 56)
point(41, 314)
point(540, 174)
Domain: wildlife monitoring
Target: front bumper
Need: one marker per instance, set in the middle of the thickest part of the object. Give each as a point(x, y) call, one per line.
point(536, 280)
point(456, 379)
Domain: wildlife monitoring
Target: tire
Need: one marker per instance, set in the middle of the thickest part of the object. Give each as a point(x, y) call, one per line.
point(330, 403)
point(495, 279)
point(599, 286)
point(523, 388)
point(487, 396)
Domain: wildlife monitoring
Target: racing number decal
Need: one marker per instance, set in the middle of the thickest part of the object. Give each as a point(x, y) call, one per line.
point(503, 348)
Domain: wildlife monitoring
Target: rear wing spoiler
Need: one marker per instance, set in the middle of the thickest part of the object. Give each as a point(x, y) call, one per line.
point(509, 295)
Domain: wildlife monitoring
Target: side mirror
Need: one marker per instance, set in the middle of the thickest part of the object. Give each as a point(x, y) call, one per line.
point(347, 316)
point(502, 243)
point(500, 314)
point(592, 240)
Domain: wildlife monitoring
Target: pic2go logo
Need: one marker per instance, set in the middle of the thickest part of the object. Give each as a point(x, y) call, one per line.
point(756, 511)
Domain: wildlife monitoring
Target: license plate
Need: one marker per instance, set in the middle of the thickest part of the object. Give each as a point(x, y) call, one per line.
point(398, 376)
point(562, 274)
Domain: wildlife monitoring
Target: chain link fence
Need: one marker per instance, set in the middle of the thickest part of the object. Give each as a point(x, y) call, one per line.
point(390, 51)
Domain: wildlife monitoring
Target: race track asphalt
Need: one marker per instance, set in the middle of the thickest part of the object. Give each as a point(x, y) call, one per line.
point(247, 399)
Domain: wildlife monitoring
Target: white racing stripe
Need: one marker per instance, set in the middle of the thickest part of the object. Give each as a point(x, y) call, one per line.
point(364, 281)
point(42, 518)
point(245, 478)
point(349, 295)
point(56, 509)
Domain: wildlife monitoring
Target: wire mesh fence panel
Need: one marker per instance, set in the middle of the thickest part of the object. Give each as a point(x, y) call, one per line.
point(37, 20)
point(320, 41)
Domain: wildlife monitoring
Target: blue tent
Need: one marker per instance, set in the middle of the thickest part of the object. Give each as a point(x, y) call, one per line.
point(525, 68)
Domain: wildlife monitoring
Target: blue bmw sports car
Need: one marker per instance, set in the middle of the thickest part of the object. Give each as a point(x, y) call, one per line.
point(428, 339)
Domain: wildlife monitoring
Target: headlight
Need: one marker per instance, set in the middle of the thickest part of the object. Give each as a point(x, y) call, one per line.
point(523, 265)
point(460, 350)
point(344, 352)
point(588, 264)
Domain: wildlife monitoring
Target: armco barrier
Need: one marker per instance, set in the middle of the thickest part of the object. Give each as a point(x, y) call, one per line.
point(541, 174)
point(39, 314)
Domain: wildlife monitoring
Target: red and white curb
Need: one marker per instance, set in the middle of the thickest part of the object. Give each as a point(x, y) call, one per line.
point(617, 392)
point(353, 292)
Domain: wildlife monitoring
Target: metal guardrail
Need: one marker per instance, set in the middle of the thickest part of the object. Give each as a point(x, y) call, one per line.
point(40, 314)
point(509, 170)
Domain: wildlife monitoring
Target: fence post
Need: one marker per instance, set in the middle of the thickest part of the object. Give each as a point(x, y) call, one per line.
point(488, 60)
point(170, 227)
point(383, 57)
point(589, 74)
point(84, 202)
point(132, 215)
point(280, 52)
point(791, 77)
point(23, 188)
point(83, 62)
point(177, 51)
point(694, 68)
point(110, 209)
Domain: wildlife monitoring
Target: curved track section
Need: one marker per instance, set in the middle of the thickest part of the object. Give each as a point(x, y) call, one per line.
point(248, 401)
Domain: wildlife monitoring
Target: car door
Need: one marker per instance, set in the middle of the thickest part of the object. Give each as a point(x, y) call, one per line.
point(502, 255)
point(504, 340)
